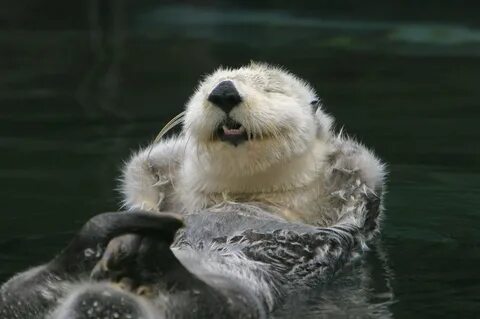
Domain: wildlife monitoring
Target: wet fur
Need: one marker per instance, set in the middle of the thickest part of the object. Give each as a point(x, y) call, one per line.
point(253, 214)
point(247, 260)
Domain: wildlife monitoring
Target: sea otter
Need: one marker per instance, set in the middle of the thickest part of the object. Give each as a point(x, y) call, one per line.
point(271, 202)
point(252, 134)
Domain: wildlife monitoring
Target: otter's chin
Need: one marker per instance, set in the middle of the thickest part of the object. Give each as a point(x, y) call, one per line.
point(232, 132)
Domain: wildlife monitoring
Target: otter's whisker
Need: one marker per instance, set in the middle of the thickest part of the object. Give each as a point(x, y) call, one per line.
point(171, 124)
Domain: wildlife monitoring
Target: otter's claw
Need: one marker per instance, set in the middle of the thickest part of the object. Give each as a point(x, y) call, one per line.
point(126, 284)
point(145, 291)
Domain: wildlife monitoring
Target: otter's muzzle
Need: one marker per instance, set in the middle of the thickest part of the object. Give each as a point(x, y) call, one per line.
point(225, 96)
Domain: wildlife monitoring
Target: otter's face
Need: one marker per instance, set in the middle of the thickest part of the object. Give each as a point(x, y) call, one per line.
point(252, 117)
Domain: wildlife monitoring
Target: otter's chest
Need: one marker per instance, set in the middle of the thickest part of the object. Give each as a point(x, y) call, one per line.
point(303, 204)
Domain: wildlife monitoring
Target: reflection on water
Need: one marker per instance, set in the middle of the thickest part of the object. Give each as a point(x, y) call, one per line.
point(392, 36)
point(77, 94)
point(363, 290)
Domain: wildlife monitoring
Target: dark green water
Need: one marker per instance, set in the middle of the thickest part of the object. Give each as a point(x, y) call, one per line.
point(83, 84)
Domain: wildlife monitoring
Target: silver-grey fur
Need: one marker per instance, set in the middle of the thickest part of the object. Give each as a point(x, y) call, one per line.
point(241, 257)
point(264, 256)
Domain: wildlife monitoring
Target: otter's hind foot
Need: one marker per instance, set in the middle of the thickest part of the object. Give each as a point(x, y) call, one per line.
point(141, 262)
point(119, 262)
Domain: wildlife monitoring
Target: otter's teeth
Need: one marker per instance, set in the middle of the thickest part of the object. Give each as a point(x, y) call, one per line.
point(238, 131)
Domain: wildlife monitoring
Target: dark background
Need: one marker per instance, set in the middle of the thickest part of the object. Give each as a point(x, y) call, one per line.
point(84, 82)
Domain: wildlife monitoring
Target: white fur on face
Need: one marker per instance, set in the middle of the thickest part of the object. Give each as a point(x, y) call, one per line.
point(276, 112)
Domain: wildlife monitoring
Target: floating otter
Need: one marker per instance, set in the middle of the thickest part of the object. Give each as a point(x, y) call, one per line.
point(253, 134)
point(272, 201)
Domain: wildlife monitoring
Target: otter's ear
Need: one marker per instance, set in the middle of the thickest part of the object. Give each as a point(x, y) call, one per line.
point(315, 104)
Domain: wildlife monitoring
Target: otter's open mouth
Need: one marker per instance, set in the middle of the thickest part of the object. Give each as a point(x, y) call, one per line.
point(232, 132)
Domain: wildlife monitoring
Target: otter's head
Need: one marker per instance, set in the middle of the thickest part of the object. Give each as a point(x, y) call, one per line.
point(250, 118)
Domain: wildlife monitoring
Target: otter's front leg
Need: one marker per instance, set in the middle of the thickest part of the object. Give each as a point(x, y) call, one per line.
point(142, 185)
point(148, 176)
point(354, 179)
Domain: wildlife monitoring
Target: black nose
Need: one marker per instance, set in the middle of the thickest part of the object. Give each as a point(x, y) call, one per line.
point(225, 96)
